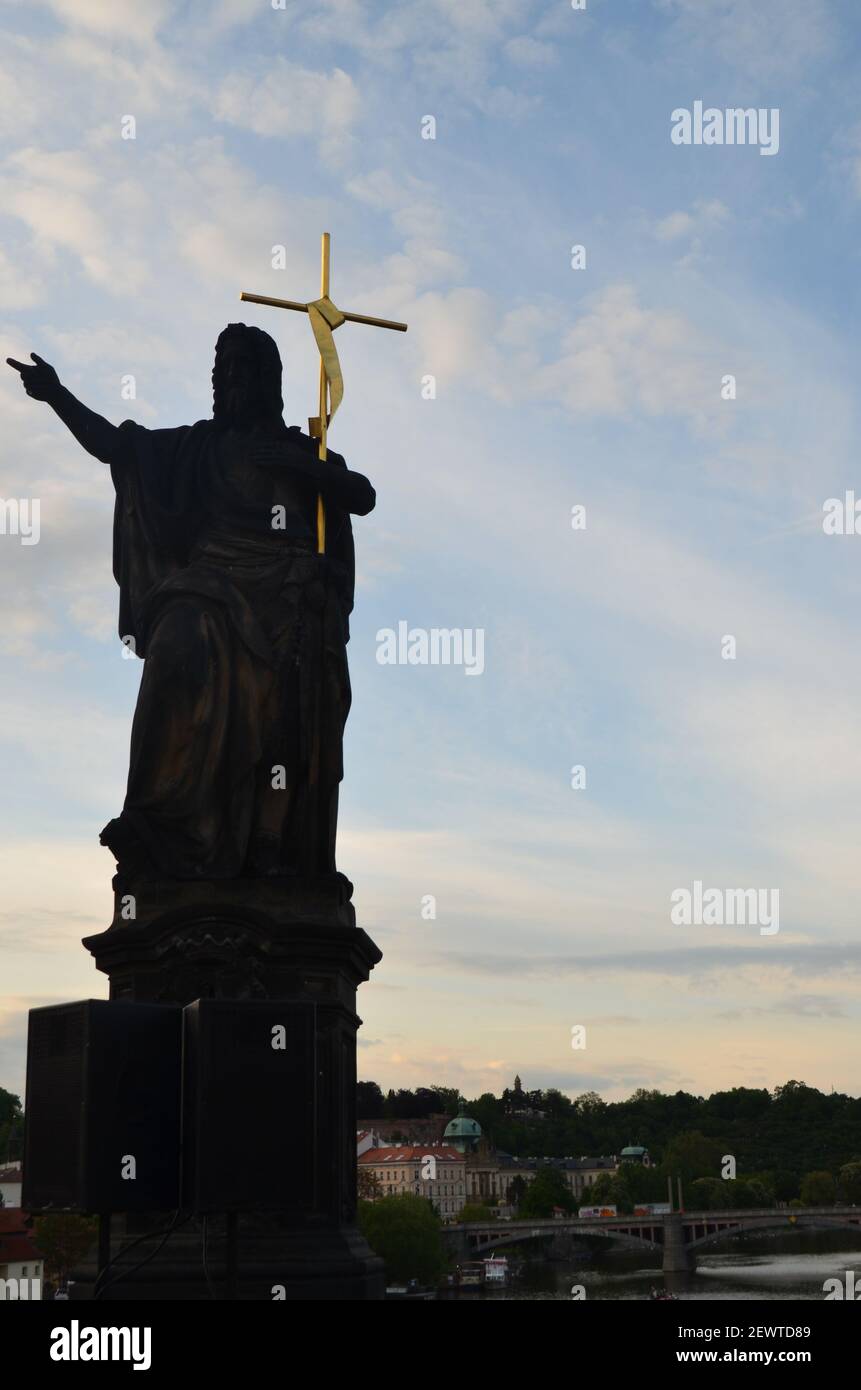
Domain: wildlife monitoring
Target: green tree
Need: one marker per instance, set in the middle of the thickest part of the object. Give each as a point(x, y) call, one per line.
point(406, 1233)
point(590, 1103)
point(598, 1192)
point(370, 1103)
point(490, 1115)
point(447, 1099)
point(554, 1102)
point(850, 1182)
point(641, 1184)
point(368, 1185)
point(622, 1189)
point(547, 1190)
point(818, 1190)
point(10, 1107)
point(691, 1155)
point(476, 1211)
point(785, 1185)
point(516, 1189)
point(64, 1240)
point(761, 1192)
point(742, 1195)
point(740, 1103)
point(11, 1127)
point(412, 1105)
point(621, 1196)
point(707, 1194)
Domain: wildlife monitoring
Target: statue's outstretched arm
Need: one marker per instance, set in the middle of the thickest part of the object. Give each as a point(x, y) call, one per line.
point(93, 432)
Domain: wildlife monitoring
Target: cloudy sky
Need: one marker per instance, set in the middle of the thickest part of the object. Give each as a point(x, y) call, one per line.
point(601, 387)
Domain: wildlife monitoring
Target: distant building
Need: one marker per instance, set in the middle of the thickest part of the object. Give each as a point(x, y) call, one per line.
point(490, 1174)
point(483, 1173)
point(580, 1173)
point(19, 1257)
point(11, 1179)
point(366, 1139)
point(435, 1171)
point(463, 1133)
point(519, 1103)
point(635, 1153)
point(428, 1130)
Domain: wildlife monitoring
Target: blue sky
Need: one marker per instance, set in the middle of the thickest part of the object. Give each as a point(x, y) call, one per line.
point(554, 387)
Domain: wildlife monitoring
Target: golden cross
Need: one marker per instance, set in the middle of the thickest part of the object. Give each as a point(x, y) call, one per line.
point(325, 318)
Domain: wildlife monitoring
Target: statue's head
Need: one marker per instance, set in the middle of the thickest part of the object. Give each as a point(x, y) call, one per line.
point(246, 379)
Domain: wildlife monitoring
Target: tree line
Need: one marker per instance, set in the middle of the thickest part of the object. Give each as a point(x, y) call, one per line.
point(780, 1137)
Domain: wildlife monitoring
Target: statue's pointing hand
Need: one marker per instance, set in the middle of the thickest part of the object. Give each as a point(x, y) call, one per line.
point(41, 382)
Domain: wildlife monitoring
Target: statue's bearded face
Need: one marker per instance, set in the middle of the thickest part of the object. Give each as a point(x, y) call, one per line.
point(246, 380)
point(239, 375)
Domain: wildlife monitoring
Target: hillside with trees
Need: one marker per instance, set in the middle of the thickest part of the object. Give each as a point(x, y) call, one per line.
point(790, 1134)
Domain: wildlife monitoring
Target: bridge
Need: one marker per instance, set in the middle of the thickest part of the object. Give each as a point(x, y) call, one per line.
point(678, 1235)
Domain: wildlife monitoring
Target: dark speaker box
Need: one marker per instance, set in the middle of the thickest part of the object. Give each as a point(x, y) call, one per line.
point(249, 1105)
point(103, 1085)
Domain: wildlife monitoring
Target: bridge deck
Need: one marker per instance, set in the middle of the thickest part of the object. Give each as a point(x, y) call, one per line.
point(697, 1226)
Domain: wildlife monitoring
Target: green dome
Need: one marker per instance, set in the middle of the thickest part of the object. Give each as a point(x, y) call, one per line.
point(462, 1131)
point(634, 1151)
point(462, 1128)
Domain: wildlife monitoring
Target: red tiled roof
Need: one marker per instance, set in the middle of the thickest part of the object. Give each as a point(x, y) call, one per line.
point(17, 1249)
point(411, 1154)
point(14, 1221)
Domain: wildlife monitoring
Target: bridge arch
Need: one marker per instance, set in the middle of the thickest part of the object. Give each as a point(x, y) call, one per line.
point(480, 1240)
point(728, 1228)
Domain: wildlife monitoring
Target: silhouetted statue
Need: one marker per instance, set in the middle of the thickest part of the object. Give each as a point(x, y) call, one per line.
point(237, 736)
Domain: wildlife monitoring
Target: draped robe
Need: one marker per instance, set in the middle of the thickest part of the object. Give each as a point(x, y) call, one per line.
point(236, 746)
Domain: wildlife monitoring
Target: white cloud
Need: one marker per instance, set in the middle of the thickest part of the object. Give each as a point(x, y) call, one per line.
point(287, 100)
point(443, 48)
point(57, 195)
point(17, 290)
point(150, 82)
point(134, 20)
point(530, 53)
point(704, 217)
point(768, 40)
point(417, 215)
point(24, 98)
point(619, 356)
point(227, 14)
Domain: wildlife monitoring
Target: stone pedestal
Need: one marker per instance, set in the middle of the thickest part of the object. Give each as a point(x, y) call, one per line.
point(173, 941)
point(255, 939)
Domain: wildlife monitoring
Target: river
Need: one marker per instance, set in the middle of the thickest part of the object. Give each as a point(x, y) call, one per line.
point(760, 1266)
